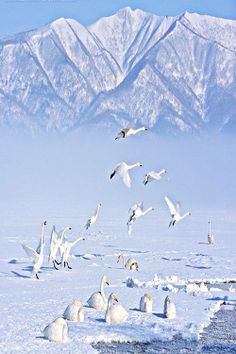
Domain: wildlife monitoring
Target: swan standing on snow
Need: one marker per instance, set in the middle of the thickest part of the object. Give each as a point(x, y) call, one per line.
point(66, 248)
point(175, 212)
point(93, 218)
point(124, 133)
point(37, 258)
point(41, 240)
point(169, 308)
point(55, 244)
point(122, 169)
point(210, 237)
point(151, 176)
point(74, 312)
point(56, 331)
point(62, 237)
point(136, 213)
point(145, 304)
point(130, 264)
point(98, 299)
point(115, 313)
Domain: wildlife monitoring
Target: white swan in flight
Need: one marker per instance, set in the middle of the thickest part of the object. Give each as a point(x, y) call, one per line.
point(115, 313)
point(124, 133)
point(98, 299)
point(36, 258)
point(66, 248)
point(145, 304)
point(74, 312)
point(151, 176)
point(56, 331)
point(175, 212)
point(41, 240)
point(210, 237)
point(136, 212)
point(130, 264)
point(122, 169)
point(169, 308)
point(93, 218)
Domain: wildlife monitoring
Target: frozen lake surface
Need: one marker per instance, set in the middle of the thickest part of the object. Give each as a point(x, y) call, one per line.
point(219, 337)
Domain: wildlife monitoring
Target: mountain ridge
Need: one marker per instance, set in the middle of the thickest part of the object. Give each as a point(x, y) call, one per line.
point(173, 74)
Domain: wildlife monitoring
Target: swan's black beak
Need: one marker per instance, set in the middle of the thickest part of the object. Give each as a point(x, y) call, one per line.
point(45, 223)
point(107, 282)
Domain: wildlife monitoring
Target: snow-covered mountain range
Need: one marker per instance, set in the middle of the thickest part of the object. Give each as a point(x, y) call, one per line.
point(132, 68)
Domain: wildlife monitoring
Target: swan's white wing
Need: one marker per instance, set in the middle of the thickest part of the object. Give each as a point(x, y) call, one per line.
point(30, 252)
point(171, 206)
point(126, 130)
point(122, 170)
point(54, 236)
point(133, 208)
point(178, 207)
point(126, 178)
point(140, 205)
point(155, 175)
point(39, 247)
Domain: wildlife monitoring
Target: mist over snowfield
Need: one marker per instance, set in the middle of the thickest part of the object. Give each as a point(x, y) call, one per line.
point(61, 178)
point(60, 170)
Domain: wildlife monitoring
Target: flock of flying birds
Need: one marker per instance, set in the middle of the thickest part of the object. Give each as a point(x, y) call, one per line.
point(137, 210)
point(60, 248)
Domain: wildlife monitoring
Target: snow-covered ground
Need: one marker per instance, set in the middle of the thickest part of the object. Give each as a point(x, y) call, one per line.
point(170, 260)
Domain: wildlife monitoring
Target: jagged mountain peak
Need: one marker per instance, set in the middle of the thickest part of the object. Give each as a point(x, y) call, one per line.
point(169, 73)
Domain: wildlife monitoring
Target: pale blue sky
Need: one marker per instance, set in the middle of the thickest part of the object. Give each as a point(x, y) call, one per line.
point(22, 15)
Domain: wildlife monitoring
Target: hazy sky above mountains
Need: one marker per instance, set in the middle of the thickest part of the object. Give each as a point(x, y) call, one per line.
point(22, 15)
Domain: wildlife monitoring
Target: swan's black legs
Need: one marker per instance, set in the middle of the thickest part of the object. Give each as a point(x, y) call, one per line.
point(66, 264)
point(54, 265)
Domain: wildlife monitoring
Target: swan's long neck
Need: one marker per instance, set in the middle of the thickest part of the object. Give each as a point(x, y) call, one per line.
point(184, 216)
point(42, 234)
point(102, 289)
point(96, 211)
point(109, 303)
point(209, 228)
point(147, 211)
point(41, 249)
point(133, 166)
point(139, 130)
point(63, 234)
